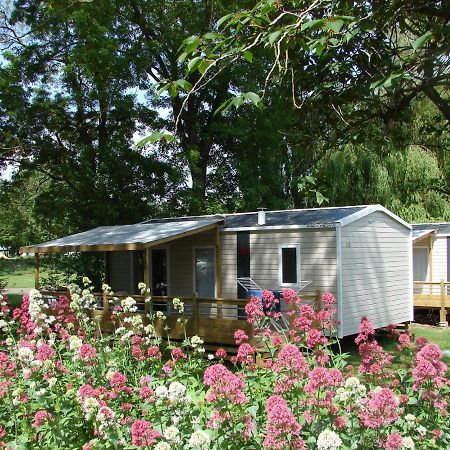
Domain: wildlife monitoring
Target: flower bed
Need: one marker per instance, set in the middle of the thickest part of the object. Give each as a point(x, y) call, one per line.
point(63, 384)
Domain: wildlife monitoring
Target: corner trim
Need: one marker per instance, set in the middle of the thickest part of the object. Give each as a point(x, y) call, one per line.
point(339, 281)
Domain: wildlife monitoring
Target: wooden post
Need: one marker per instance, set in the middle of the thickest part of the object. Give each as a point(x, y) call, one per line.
point(318, 303)
point(195, 312)
point(218, 266)
point(443, 311)
point(36, 270)
point(106, 265)
point(430, 259)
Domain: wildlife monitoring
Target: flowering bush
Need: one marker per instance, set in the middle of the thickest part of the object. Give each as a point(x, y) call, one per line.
point(66, 384)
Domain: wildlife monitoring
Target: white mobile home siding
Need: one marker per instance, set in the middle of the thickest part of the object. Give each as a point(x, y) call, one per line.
point(228, 262)
point(376, 272)
point(317, 257)
point(181, 262)
point(439, 259)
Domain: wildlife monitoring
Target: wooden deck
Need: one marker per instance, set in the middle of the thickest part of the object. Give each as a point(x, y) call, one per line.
point(213, 319)
point(433, 295)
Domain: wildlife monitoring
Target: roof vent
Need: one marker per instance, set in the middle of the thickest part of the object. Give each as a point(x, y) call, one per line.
point(261, 216)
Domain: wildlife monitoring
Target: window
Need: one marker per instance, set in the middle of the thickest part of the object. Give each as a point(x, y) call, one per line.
point(289, 264)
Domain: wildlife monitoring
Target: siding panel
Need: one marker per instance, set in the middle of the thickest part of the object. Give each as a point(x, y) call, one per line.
point(376, 273)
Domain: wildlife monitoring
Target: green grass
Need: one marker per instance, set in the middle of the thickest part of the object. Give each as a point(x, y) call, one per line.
point(19, 272)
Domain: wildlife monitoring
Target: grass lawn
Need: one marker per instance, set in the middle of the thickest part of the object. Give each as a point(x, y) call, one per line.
point(19, 272)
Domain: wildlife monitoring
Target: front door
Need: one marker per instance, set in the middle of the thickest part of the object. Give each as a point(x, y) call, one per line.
point(204, 272)
point(159, 272)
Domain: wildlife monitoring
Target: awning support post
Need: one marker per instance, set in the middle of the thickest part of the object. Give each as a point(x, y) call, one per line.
point(36, 270)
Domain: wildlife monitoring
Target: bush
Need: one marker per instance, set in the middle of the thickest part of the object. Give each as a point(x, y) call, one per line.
point(66, 385)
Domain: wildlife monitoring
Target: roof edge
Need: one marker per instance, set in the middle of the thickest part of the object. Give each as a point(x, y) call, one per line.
point(369, 210)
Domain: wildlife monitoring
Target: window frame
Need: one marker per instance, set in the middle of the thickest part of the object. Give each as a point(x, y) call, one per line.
point(280, 264)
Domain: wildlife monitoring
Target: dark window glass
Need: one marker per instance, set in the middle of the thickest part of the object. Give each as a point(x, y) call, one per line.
point(289, 265)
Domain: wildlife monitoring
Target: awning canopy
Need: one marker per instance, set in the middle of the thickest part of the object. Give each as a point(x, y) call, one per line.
point(125, 237)
point(418, 235)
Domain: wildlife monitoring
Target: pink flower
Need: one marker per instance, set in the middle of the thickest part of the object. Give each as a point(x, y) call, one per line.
point(224, 385)
point(429, 368)
point(254, 309)
point(268, 299)
point(404, 341)
point(153, 352)
point(320, 377)
point(328, 300)
point(365, 331)
point(305, 318)
point(379, 408)
point(117, 379)
point(44, 352)
point(178, 354)
point(282, 429)
point(315, 338)
point(245, 354)
point(87, 352)
point(394, 441)
point(289, 295)
point(145, 393)
point(374, 358)
point(88, 446)
point(240, 336)
point(221, 353)
point(292, 367)
point(142, 434)
point(40, 418)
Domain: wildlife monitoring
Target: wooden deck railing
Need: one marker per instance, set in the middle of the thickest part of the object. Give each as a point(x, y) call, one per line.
point(433, 295)
point(213, 319)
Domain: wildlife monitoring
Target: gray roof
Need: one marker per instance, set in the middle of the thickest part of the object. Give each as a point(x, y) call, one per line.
point(439, 227)
point(133, 236)
point(293, 217)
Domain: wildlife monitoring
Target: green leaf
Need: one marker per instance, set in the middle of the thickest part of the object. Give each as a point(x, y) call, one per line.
point(223, 19)
point(419, 42)
point(248, 56)
point(320, 198)
point(203, 66)
point(155, 137)
point(312, 24)
point(193, 63)
point(184, 84)
point(335, 25)
point(274, 36)
point(254, 98)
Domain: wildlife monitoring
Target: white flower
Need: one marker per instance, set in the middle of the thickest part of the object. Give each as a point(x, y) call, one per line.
point(51, 382)
point(25, 355)
point(176, 390)
point(407, 443)
point(75, 343)
point(86, 281)
point(199, 439)
point(196, 341)
point(210, 356)
point(161, 392)
point(178, 305)
point(421, 430)
point(90, 407)
point(328, 440)
point(410, 418)
point(171, 433)
point(9, 341)
point(3, 325)
point(160, 315)
point(162, 446)
point(129, 304)
point(134, 321)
